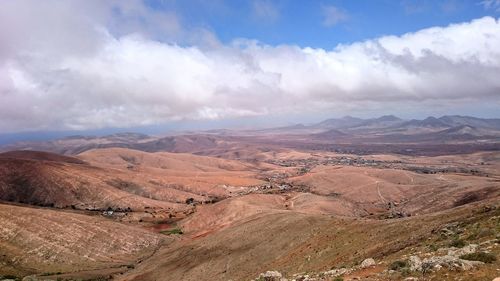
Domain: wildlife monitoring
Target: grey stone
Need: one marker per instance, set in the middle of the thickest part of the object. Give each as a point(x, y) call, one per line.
point(415, 263)
point(271, 276)
point(367, 263)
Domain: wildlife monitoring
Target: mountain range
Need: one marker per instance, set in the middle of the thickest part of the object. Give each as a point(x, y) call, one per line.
point(386, 129)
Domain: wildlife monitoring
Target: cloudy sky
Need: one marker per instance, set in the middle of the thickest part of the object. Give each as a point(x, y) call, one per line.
point(91, 64)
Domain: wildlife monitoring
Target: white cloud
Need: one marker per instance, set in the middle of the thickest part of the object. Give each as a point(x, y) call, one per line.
point(333, 15)
point(83, 74)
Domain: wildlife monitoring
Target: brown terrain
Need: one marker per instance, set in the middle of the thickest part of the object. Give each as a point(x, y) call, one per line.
point(231, 206)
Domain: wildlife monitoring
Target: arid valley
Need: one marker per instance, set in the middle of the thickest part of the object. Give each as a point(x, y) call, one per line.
point(249, 140)
point(307, 202)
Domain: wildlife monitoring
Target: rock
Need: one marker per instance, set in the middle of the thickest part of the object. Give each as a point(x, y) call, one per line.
point(451, 230)
point(411, 279)
point(469, 249)
point(303, 278)
point(496, 279)
point(450, 262)
point(271, 276)
point(367, 263)
point(468, 265)
point(337, 272)
point(415, 263)
point(447, 232)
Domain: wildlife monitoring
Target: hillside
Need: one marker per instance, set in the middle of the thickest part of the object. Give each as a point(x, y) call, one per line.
point(35, 240)
point(295, 243)
point(118, 178)
point(141, 214)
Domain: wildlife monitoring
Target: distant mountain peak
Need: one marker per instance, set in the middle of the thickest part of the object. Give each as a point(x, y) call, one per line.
point(75, 137)
point(349, 117)
point(432, 119)
point(388, 118)
point(346, 121)
point(129, 135)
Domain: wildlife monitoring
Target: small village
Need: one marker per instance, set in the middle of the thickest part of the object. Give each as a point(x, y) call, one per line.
point(308, 164)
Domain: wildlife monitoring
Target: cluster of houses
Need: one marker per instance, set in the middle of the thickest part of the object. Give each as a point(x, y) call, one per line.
point(310, 163)
point(307, 164)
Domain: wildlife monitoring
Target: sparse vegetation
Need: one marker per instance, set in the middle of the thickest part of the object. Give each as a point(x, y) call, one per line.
point(405, 271)
point(10, 277)
point(480, 232)
point(50, 273)
point(397, 265)
point(480, 256)
point(338, 279)
point(433, 247)
point(172, 231)
point(485, 232)
point(129, 159)
point(457, 243)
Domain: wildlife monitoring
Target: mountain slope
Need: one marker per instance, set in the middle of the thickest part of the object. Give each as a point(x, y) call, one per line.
point(344, 122)
point(119, 178)
point(457, 120)
point(35, 240)
point(293, 243)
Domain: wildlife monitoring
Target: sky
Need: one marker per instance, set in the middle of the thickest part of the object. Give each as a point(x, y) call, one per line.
point(91, 65)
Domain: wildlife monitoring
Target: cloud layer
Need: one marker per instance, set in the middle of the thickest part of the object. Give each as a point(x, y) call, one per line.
point(94, 64)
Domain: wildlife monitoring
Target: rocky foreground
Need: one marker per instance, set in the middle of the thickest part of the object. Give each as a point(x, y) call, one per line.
point(412, 268)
